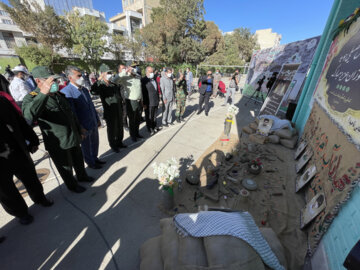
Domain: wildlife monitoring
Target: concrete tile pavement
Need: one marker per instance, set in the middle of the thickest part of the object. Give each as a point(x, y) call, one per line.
point(104, 227)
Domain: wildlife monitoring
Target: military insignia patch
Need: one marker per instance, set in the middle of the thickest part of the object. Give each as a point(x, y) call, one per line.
point(33, 93)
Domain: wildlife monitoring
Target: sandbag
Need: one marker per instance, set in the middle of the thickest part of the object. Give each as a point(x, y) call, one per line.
point(227, 250)
point(248, 130)
point(253, 126)
point(169, 244)
point(191, 251)
point(289, 143)
point(284, 133)
point(150, 256)
point(274, 139)
point(274, 244)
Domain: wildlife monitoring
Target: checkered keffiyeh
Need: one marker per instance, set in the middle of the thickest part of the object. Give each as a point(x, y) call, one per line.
point(237, 224)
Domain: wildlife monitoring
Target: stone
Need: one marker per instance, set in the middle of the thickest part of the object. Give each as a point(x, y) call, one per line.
point(289, 143)
point(256, 138)
point(274, 139)
point(248, 130)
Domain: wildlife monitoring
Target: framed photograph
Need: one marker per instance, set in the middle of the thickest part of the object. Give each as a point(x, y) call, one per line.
point(305, 178)
point(264, 127)
point(300, 149)
point(312, 209)
point(304, 159)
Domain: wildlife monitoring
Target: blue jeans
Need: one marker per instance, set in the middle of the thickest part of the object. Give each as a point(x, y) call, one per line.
point(90, 146)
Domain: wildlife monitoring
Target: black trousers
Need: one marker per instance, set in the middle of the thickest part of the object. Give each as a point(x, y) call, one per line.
point(67, 159)
point(150, 117)
point(134, 113)
point(20, 165)
point(125, 121)
point(205, 98)
point(114, 122)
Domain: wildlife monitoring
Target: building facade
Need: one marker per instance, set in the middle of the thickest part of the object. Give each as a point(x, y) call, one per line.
point(267, 39)
point(135, 15)
point(62, 6)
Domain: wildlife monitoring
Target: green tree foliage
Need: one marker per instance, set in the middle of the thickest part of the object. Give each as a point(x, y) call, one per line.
point(39, 55)
point(176, 33)
point(44, 24)
point(237, 49)
point(214, 40)
point(88, 35)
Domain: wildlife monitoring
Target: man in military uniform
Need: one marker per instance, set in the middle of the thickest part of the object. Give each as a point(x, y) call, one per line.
point(181, 93)
point(130, 80)
point(59, 127)
point(111, 100)
point(15, 160)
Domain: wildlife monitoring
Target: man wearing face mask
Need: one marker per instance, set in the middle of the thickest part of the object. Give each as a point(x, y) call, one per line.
point(83, 107)
point(19, 88)
point(167, 90)
point(150, 99)
point(111, 100)
point(206, 89)
point(59, 127)
point(130, 81)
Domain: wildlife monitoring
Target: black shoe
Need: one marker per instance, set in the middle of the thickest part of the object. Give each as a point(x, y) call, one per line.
point(45, 202)
point(115, 149)
point(89, 179)
point(182, 119)
point(134, 139)
point(26, 220)
point(95, 166)
point(178, 120)
point(198, 112)
point(171, 124)
point(78, 189)
point(122, 146)
point(139, 136)
point(152, 132)
point(206, 113)
point(101, 162)
point(157, 129)
point(165, 125)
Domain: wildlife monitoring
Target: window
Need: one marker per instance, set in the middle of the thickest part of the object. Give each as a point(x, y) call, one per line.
point(9, 40)
point(31, 41)
point(3, 13)
point(7, 21)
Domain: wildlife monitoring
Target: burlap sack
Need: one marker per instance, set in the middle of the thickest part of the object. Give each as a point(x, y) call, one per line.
point(274, 244)
point(248, 130)
point(253, 126)
point(274, 139)
point(169, 244)
point(150, 256)
point(227, 250)
point(289, 143)
point(284, 133)
point(192, 251)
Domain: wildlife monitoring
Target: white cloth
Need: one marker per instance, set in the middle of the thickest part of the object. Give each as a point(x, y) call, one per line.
point(278, 123)
point(19, 89)
point(237, 224)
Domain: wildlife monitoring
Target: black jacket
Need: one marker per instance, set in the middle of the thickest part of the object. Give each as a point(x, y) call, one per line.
point(204, 84)
point(150, 93)
point(14, 129)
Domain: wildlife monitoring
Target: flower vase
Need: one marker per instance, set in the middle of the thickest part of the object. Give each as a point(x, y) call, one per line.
point(168, 198)
point(227, 126)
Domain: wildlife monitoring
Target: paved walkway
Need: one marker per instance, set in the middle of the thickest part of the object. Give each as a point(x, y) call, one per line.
point(104, 227)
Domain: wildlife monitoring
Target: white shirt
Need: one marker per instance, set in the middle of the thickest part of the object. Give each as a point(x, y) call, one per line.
point(19, 89)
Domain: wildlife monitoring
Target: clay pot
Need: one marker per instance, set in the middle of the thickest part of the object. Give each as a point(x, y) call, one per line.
point(254, 168)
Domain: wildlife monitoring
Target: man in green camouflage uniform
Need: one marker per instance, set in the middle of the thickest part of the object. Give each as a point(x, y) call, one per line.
point(181, 93)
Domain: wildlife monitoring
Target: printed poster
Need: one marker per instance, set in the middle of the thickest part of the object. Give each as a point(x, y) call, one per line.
point(338, 89)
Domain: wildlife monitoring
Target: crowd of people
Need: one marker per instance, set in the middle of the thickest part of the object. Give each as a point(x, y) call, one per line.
point(62, 106)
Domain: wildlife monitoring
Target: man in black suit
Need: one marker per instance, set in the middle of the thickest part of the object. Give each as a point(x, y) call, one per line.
point(16, 140)
point(150, 99)
point(207, 85)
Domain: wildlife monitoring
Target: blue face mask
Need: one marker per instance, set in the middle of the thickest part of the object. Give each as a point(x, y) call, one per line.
point(54, 87)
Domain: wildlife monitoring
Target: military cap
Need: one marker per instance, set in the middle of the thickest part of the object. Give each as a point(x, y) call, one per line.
point(104, 68)
point(43, 72)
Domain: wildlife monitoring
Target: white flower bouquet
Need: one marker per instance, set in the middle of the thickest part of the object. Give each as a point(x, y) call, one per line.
point(232, 111)
point(167, 173)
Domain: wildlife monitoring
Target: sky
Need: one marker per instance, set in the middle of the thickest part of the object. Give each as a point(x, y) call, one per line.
point(293, 19)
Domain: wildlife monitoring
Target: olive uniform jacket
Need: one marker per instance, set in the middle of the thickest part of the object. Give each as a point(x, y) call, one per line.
point(59, 126)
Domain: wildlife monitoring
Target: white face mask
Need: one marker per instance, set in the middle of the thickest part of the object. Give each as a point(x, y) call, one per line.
point(168, 74)
point(108, 76)
point(80, 81)
point(151, 75)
